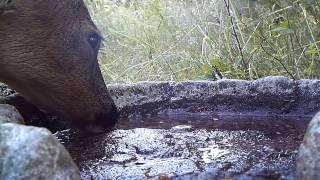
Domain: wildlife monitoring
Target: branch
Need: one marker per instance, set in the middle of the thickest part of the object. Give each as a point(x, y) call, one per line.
point(235, 34)
point(277, 59)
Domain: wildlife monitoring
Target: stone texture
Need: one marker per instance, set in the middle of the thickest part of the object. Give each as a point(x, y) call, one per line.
point(9, 114)
point(29, 112)
point(33, 153)
point(270, 95)
point(5, 91)
point(308, 163)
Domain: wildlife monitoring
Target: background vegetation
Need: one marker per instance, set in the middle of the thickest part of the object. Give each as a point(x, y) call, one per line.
point(188, 39)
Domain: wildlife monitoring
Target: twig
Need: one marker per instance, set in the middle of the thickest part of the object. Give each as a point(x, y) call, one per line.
point(235, 34)
point(277, 59)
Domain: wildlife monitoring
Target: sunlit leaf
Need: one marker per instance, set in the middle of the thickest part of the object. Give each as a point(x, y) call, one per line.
point(283, 28)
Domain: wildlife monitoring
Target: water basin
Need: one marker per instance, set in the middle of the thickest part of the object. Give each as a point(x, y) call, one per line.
point(226, 129)
point(190, 146)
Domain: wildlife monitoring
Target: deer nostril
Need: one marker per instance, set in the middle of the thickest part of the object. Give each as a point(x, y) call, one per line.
point(109, 119)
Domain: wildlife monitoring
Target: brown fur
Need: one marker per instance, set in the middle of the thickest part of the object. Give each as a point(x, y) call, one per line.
point(45, 55)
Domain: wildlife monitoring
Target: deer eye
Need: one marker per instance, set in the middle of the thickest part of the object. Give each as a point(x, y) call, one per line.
point(94, 40)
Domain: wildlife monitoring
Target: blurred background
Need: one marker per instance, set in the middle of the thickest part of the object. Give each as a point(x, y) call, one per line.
point(192, 39)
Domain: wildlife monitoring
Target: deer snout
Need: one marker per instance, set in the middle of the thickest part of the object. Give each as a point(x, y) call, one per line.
point(104, 120)
point(109, 119)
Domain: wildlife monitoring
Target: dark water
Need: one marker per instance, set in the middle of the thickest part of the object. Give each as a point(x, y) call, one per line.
point(190, 146)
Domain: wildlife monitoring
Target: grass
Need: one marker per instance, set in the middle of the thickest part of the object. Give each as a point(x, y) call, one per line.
point(181, 40)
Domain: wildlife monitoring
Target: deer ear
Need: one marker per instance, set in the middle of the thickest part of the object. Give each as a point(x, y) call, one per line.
point(7, 7)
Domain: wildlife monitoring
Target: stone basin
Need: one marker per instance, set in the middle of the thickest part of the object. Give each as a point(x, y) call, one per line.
point(190, 147)
point(226, 129)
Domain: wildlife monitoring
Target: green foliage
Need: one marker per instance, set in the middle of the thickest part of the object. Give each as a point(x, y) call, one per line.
point(180, 40)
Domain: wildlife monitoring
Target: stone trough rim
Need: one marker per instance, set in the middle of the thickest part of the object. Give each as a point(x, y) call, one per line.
point(268, 96)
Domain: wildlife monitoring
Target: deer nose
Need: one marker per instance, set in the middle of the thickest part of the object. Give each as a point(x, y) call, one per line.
point(104, 120)
point(109, 119)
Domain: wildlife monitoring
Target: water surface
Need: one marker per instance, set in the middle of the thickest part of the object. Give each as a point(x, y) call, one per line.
point(184, 146)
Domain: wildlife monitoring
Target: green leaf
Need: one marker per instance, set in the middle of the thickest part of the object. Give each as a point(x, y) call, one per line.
point(216, 61)
point(283, 28)
point(206, 68)
point(313, 51)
